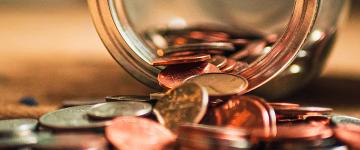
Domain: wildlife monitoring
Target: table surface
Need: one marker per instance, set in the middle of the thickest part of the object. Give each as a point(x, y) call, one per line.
point(54, 53)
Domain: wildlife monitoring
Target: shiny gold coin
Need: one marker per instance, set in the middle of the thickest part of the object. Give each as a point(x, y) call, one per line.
point(184, 104)
point(220, 84)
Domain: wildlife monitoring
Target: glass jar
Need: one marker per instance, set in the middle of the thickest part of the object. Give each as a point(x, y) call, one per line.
point(304, 31)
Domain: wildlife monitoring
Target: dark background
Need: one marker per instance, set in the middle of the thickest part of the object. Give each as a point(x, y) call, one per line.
point(50, 51)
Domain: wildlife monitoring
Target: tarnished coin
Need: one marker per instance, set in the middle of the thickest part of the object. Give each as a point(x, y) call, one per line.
point(133, 133)
point(220, 84)
point(114, 109)
point(74, 141)
point(342, 120)
point(10, 125)
point(184, 104)
point(165, 61)
point(119, 98)
point(253, 49)
point(174, 75)
point(230, 65)
point(247, 112)
point(218, 61)
point(283, 105)
point(223, 46)
point(82, 101)
point(71, 118)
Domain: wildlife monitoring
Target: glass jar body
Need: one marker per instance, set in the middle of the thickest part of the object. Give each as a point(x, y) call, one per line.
point(270, 18)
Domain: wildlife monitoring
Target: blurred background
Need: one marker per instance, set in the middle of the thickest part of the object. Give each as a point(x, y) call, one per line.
point(50, 51)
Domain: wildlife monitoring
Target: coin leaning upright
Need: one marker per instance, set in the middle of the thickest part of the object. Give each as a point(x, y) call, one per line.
point(114, 109)
point(71, 118)
point(184, 104)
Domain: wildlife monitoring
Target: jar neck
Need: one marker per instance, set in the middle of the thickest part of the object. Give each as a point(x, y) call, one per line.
point(128, 50)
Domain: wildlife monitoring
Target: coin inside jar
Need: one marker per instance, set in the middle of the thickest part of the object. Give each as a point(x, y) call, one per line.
point(71, 118)
point(218, 61)
point(184, 104)
point(133, 133)
point(174, 75)
point(220, 84)
point(223, 46)
point(164, 61)
point(297, 111)
point(230, 65)
point(115, 109)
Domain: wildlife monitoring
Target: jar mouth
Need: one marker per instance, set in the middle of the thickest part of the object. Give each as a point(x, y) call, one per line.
point(135, 55)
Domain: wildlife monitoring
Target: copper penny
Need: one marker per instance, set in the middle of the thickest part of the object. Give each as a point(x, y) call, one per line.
point(230, 65)
point(239, 67)
point(197, 35)
point(282, 105)
point(244, 112)
point(133, 133)
point(217, 37)
point(254, 48)
point(164, 61)
point(72, 141)
point(174, 75)
point(218, 61)
point(223, 46)
point(220, 84)
point(299, 111)
point(240, 42)
point(348, 134)
point(184, 104)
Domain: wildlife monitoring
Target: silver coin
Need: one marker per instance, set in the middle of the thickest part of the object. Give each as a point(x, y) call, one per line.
point(19, 141)
point(114, 109)
point(82, 101)
point(17, 124)
point(127, 98)
point(221, 84)
point(340, 119)
point(71, 118)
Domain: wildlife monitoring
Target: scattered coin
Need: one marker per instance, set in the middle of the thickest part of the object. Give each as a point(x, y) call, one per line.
point(349, 134)
point(341, 120)
point(73, 141)
point(132, 133)
point(119, 98)
point(239, 67)
point(298, 111)
point(220, 84)
point(82, 101)
point(197, 136)
point(165, 61)
point(283, 105)
point(71, 118)
point(10, 125)
point(114, 109)
point(184, 104)
point(174, 75)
